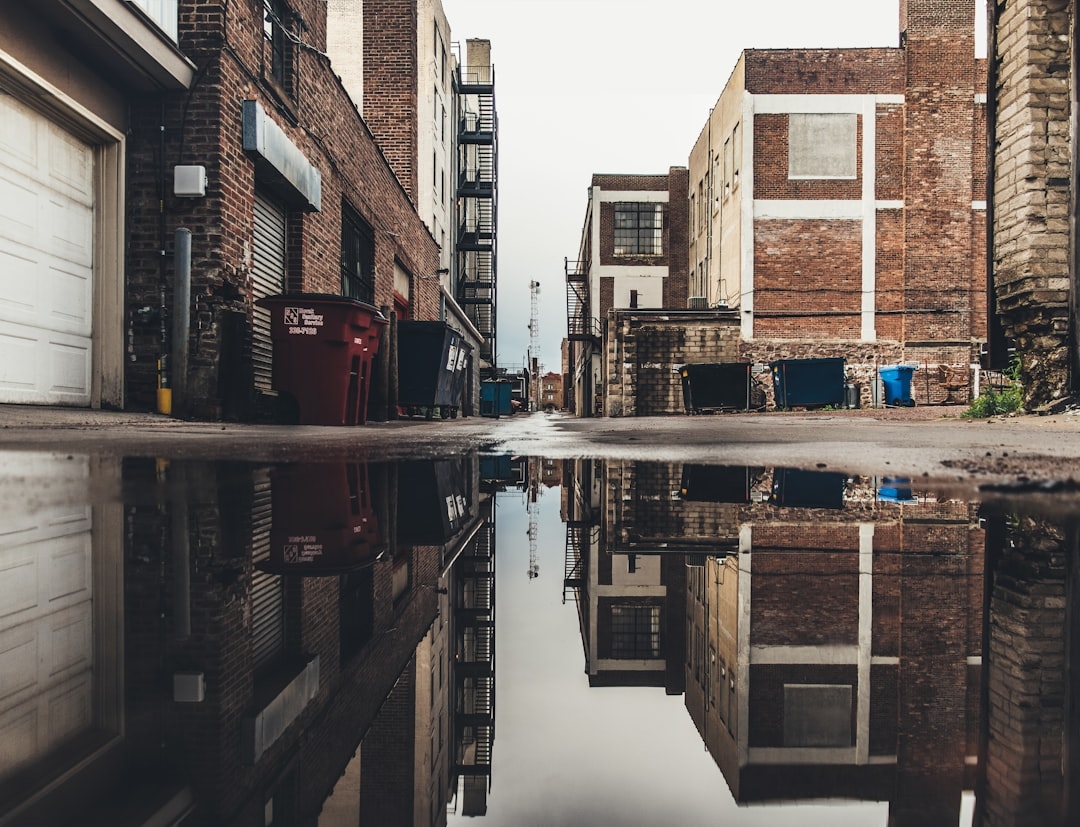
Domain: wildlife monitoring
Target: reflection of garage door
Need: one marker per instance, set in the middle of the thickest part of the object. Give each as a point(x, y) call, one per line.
point(46, 259)
point(47, 636)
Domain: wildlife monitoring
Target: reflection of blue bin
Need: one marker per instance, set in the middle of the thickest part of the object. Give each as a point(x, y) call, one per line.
point(897, 382)
point(808, 382)
point(896, 490)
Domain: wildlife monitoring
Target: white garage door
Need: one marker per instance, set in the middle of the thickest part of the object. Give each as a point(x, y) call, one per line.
point(46, 260)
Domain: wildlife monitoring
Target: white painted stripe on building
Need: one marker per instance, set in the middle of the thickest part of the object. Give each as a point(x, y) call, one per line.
point(746, 201)
point(980, 97)
point(974, 660)
point(622, 270)
point(868, 329)
point(810, 209)
point(620, 196)
point(619, 665)
point(631, 591)
point(824, 104)
point(978, 205)
point(830, 655)
point(866, 636)
point(885, 660)
point(824, 756)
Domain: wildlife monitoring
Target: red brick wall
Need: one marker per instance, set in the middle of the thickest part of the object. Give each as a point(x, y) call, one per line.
point(205, 128)
point(771, 166)
point(825, 71)
point(807, 263)
point(676, 236)
point(390, 84)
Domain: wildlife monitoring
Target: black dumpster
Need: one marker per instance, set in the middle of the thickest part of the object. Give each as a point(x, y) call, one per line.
point(715, 386)
point(808, 383)
point(430, 365)
point(794, 487)
point(718, 483)
point(432, 505)
point(324, 346)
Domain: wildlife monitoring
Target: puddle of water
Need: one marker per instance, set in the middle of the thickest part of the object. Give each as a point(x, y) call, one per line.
point(508, 640)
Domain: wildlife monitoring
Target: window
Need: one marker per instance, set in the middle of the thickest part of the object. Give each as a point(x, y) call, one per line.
point(163, 13)
point(822, 146)
point(638, 229)
point(357, 256)
point(736, 153)
point(275, 18)
point(635, 632)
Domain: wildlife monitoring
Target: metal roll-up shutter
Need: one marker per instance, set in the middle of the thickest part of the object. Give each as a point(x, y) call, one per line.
point(268, 279)
point(267, 590)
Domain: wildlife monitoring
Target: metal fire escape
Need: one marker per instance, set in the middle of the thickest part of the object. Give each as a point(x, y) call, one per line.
point(477, 201)
point(582, 332)
point(474, 669)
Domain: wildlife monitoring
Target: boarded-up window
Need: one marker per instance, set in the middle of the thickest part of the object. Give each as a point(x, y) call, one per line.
point(822, 145)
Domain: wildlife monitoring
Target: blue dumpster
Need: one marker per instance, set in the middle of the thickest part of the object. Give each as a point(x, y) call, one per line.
point(808, 382)
point(495, 397)
point(897, 382)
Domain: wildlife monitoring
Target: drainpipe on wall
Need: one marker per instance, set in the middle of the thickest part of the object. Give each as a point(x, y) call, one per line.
point(181, 320)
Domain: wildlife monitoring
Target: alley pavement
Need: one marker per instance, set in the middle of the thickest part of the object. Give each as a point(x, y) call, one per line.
point(932, 441)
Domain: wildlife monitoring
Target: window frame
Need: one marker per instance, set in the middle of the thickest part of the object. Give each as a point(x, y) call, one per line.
point(632, 236)
point(357, 256)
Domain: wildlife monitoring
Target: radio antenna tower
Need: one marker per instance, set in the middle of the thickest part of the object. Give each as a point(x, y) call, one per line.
point(534, 323)
point(534, 346)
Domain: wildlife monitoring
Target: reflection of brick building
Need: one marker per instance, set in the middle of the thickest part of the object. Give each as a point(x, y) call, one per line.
point(823, 645)
point(246, 688)
point(630, 598)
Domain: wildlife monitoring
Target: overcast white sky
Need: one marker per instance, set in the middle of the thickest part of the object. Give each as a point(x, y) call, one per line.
point(613, 86)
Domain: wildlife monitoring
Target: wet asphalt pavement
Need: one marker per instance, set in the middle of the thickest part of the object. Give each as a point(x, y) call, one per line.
point(932, 442)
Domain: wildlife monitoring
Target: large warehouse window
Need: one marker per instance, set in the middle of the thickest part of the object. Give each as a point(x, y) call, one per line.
point(639, 229)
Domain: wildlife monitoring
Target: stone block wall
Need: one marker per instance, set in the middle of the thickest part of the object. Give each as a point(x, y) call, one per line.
point(1032, 189)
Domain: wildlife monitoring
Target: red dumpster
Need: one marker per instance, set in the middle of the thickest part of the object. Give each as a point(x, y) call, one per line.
point(324, 520)
point(324, 346)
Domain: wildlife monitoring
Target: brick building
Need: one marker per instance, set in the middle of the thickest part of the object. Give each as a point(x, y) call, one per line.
point(838, 202)
point(1034, 195)
point(551, 391)
point(431, 107)
point(299, 197)
point(631, 255)
point(228, 120)
point(67, 78)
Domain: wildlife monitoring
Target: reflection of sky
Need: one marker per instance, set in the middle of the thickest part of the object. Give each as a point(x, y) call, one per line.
point(566, 754)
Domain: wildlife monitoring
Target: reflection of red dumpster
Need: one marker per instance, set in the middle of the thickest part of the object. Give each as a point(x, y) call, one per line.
point(324, 346)
point(324, 520)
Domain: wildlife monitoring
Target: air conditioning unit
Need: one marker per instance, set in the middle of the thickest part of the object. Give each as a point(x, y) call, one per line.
point(697, 303)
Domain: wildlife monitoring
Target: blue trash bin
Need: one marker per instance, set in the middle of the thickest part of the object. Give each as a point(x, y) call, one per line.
point(897, 382)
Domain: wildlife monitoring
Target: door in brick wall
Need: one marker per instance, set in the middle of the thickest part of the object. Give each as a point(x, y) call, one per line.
point(46, 259)
point(268, 279)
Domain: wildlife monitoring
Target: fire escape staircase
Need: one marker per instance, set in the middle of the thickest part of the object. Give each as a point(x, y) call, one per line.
point(474, 670)
point(477, 199)
point(580, 325)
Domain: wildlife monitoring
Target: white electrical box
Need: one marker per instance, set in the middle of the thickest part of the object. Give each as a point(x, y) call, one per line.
point(189, 181)
point(189, 687)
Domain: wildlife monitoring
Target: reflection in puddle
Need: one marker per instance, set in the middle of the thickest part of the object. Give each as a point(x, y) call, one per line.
point(230, 643)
